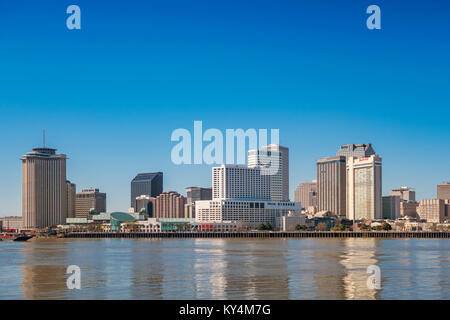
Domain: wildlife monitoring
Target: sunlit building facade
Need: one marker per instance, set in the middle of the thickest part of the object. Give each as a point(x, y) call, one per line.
point(44, 189)
point(364, 199)
point(273, 155)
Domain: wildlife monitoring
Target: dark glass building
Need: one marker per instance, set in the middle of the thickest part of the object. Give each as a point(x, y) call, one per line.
point(148, 184)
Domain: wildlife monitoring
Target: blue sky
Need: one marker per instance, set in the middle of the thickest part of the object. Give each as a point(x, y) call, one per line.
point(110, 95)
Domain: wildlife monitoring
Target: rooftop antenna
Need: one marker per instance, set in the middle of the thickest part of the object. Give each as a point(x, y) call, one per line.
point(44, 138)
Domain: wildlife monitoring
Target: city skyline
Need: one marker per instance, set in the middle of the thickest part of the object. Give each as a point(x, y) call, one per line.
point(110, 95)
point(384, 192)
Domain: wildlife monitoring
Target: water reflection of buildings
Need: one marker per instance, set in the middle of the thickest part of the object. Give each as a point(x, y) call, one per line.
point(357, 256)
point(40, 279)
point(239, 269)
point(148, 268)
point(328, 276)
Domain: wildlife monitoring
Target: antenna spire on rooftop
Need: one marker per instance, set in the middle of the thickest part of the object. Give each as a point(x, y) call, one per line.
point(44, 138)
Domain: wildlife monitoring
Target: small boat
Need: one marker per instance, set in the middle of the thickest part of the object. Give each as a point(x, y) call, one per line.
point(14, 237)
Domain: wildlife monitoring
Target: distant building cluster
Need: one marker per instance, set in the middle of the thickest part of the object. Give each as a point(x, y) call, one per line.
point(347, 189)
point(349, 186)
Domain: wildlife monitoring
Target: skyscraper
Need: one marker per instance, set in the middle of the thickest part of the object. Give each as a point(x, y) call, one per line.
point(89, 199)
point(306, 194)
point(331, 185)
point(364, 199)
point(71, 196)
point(279, 182)
point(361, 150)
point(148, 184)
point(44, 189)
point(240, 193)
point(240, 182)
point(443, 191)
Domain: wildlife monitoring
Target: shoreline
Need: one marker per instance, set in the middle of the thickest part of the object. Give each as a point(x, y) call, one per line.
point(279, 234)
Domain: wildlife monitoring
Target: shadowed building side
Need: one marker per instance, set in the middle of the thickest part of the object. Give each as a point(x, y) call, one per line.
point(71, 199)
point(331, 185)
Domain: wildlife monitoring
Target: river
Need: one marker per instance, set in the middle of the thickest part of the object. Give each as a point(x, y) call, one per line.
point(225, 268)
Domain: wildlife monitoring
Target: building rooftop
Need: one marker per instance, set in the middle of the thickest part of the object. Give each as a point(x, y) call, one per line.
point(146, 176)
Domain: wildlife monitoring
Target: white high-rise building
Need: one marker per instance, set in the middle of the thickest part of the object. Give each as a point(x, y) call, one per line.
point(278, 156)
point(239, 182)
point(243, 194)
point(364, 199)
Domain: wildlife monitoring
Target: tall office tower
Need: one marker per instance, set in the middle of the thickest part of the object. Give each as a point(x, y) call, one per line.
point(405, 193)
point(71, 196)
point(364, 199)
point(195, 194)
point(169, 204)
point(306, 194)
point(149, 184)
point(443, 191)
point(240, 182)
point(89, 199)
point(44, 194)
point(331, 185)
point(362, 150)
point(279, 181)
point(391, 207)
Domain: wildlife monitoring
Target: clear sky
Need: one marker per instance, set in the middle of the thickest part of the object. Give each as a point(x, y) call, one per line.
point(110, 95)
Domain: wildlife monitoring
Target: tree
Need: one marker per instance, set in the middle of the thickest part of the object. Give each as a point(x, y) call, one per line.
point(261, 226)
point(386, 226)
point(321, 226)
point(265, 226)
point(364, 227)
point(338, 227)
point(300, 227)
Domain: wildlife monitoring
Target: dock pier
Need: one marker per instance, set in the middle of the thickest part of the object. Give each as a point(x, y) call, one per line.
point(279, 234)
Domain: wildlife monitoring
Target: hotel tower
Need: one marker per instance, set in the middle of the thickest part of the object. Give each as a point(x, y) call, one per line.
point(364, 199)
point(277, 157)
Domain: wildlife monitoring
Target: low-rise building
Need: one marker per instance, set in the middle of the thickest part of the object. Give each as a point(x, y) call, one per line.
point(11, 223)
point(318, 222)
point(224, 226)
point(290, 221)
point(252, 212)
